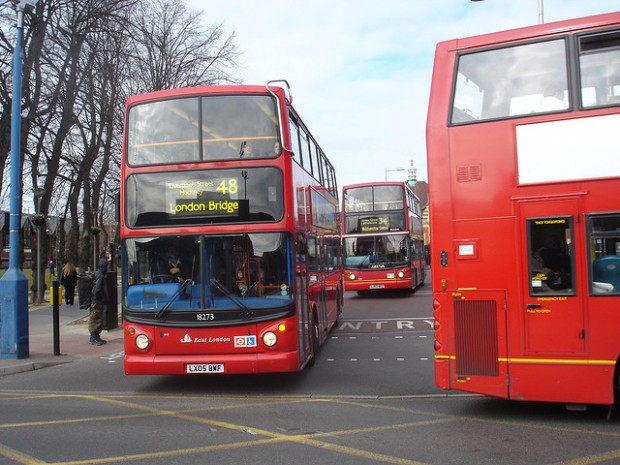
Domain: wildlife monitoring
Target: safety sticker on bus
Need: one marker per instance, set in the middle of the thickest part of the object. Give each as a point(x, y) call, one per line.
point(245, 341)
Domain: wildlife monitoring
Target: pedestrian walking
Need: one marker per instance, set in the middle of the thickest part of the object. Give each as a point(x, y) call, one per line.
point(99, 299)
point(68, 280)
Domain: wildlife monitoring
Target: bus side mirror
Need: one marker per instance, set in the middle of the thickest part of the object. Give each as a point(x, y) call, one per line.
point(117, 207)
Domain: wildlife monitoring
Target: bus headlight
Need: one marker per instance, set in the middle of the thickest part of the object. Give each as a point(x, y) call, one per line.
point(142, 341)
point(351, 276)
point(270, 339)
point(401, 274)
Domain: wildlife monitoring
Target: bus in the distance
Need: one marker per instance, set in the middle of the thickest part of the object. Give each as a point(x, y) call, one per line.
point(383, 237)
point(524, 175)
point(230, 233)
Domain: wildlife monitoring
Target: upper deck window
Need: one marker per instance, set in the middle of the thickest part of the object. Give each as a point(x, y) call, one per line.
point(208, 128)
point(599, 64)
point(373, 198)
point(512, 81)
point(363, 204)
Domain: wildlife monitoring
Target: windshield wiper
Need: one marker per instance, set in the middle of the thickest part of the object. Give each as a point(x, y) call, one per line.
point(167, 305)
point(245, 311)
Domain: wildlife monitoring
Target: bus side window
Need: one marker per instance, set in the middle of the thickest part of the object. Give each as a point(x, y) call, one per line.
point(604, 249)
point(519, 80)
point(312, 255)
point(599, 70)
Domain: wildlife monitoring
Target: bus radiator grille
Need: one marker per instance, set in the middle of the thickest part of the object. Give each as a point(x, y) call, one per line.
point(476, 337)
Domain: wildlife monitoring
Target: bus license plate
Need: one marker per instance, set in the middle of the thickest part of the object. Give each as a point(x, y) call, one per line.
point(377, 286)
point(205, 368)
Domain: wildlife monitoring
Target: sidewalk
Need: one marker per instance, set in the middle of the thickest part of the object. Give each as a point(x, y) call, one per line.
point(73, 339)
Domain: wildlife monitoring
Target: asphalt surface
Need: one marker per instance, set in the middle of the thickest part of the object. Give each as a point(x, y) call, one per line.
point(337, 412)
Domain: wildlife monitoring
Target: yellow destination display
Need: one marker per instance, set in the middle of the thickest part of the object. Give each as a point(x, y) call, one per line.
point(374, 224)
point(204, 198)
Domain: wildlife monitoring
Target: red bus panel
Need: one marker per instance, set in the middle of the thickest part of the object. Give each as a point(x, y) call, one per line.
point(525, 236)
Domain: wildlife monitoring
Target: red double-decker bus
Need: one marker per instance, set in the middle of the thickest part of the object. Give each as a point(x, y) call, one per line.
point(230, 233)
point(383, 237)
point(524, 175)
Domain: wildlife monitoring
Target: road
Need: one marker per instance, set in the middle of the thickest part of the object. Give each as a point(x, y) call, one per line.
point(369, 399)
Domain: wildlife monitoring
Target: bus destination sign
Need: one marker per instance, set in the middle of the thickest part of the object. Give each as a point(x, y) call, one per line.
point(206, 198)
point(374, 224)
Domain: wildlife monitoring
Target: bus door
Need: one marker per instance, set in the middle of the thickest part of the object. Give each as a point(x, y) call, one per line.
point(553, 308)
point(316, 280)
point(301, 297)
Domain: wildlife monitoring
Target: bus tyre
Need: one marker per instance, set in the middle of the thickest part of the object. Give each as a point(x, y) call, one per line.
point(315, 340)
point(617, 385)
point(338, 309)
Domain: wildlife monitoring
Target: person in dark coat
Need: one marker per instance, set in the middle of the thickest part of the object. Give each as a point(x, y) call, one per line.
point(69, 280)
point(99, 299)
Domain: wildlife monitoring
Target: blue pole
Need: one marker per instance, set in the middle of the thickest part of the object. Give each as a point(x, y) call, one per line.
point(14, 342)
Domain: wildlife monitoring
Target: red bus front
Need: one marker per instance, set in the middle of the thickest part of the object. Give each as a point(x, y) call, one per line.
point(219, 246)
point(383, 242)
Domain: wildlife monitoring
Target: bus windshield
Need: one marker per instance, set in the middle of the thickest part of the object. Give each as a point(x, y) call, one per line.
point(376, 252)
point(208, 128)
point(238, 273)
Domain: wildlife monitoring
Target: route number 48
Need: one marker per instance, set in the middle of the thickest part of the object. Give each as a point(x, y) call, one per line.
point(227, 186)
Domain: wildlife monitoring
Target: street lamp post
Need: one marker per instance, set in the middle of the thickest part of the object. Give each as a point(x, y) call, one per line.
point(38, 193)
point(14, 342)
point(541, 10)
point(387, 170)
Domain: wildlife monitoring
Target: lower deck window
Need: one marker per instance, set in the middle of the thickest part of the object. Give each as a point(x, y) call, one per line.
point(604, 251)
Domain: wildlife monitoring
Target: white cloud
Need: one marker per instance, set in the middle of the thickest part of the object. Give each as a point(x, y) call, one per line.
point(360, 70)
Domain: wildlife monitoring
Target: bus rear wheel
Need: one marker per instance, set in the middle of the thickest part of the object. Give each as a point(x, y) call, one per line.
point(315, 339)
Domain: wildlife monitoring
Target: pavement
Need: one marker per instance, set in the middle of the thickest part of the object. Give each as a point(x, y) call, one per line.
point(72, 339)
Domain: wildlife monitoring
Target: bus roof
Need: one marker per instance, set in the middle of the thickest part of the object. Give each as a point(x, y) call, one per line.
point(201, 90)
point(535, 31)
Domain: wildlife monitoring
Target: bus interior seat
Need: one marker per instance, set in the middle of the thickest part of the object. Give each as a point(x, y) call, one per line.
point(151, 295)
point(607, 270)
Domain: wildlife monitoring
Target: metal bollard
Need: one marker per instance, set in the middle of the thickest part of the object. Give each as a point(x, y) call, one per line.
point(56, 316)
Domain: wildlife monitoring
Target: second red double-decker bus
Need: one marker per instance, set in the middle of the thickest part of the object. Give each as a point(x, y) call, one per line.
point(383, 237)
point(230, 233)
point(524, 175)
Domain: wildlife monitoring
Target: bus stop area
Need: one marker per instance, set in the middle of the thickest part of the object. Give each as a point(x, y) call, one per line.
point(72, 338)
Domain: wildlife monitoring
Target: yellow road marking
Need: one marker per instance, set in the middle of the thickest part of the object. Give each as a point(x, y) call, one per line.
point(310, 439)
point(19, 457)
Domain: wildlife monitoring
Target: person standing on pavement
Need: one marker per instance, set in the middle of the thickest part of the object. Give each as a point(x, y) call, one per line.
point(99, 299)
point(68, 280)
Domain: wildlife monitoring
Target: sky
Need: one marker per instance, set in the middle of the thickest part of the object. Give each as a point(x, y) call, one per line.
point(360, 70)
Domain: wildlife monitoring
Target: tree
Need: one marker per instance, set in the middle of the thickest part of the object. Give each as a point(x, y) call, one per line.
point(82, 59)
point(171, 49)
